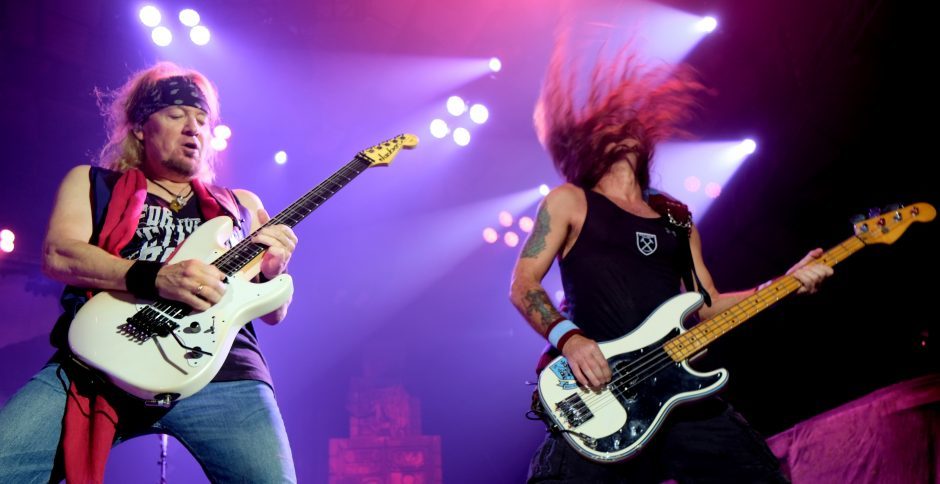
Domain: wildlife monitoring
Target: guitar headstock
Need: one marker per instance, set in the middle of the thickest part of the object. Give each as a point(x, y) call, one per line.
point(383, 154)
point(888, 227)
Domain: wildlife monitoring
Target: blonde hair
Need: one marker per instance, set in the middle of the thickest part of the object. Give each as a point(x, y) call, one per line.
point(123, 150)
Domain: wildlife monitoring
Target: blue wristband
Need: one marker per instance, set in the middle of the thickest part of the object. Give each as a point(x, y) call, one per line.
point(560, 330)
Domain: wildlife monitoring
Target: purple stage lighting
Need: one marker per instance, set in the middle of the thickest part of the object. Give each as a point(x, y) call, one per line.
point(526, 224)
point(692, 183)
point(149, 16)
point(543, 190)
point(707, 25)
point(495, 64)
point(161, 36)
point(479, 114)
point(189, 17)
point(748, 146)
point(439, 128)
point(222, 131)
point(199, 35)
point(461, 137)
point(6, 240)
point(490, 235)
point(456, 105)
point(511, 239)
point(505, 218)
point(712, 190)
point(218, 144)
point(280, 157)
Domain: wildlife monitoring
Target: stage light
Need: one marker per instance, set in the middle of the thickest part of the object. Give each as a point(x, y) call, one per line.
point(490, 235)
point(7, 234)
point(692, 183)
point(543, 189)
point(461, 137)
point(280, 157)
point(218, 144)
point(479, 114)
point(495, 64)
point(707, 25)
point(511, 239)
point(439, 128)
point(149, 16)
point(189, 17)
point(712, 190)
point(199, 35)
point(748, 146)
point(456, 105)
point(222, 131)
point(526, 224)
point(505, 218)
point(6, 245)
point(161, 36)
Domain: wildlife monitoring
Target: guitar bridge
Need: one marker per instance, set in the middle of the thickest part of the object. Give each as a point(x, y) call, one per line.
point(574, 411)
point(146, 324)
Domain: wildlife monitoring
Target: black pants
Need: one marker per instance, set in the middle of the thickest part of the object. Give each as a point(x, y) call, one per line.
point(702, 443)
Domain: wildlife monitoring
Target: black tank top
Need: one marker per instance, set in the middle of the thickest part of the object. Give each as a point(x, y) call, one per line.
point(621, 268)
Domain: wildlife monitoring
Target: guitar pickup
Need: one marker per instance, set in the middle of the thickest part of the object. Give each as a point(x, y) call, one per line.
point(574, 411)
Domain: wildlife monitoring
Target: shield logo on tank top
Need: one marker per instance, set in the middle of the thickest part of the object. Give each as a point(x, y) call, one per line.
point(646, 243)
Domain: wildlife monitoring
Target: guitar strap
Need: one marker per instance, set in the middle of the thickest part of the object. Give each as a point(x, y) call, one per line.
point(679, 216)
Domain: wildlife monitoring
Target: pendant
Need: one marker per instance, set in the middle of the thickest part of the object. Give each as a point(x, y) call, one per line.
point(176, 205)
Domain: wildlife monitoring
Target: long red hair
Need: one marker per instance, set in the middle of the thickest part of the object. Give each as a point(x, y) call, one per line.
point(625, 100)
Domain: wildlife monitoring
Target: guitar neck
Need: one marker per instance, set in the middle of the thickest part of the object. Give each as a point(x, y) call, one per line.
point(246, 251)
point(694, 340)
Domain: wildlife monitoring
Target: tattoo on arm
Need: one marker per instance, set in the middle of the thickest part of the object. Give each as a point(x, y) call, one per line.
point(536, 243)
point(539, 309)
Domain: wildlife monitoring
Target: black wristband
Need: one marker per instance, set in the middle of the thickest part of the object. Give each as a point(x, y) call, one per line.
point(141, 279)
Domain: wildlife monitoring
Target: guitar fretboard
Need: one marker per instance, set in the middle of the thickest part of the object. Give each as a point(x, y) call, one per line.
point(246, 251)
point(697, 338)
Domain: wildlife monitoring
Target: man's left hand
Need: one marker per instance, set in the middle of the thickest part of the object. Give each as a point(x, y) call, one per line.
point(809, 272)
point(281, 242)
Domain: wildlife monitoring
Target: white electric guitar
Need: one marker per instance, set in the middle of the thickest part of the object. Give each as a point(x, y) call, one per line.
point(650, 366)
point(162, 351)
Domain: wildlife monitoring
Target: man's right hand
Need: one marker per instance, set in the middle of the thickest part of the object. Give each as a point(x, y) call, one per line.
point(586, 361)
point(192, 282)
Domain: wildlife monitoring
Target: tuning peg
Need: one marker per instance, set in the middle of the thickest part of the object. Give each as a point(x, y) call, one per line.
point(893, 207)
point(874, 212)
point(858, 218)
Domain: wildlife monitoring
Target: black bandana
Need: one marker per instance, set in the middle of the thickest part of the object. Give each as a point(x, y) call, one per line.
point(171, 91)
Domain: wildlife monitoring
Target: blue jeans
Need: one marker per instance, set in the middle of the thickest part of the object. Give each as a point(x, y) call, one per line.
point(233, 429)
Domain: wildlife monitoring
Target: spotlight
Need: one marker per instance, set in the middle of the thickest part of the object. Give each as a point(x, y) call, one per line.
point(439, 128)
point(189, 17)
point(712, 190)
point(495, 64)
point(222, 131)
point(461, 137)
point(511, 239)
point(505, 218)
point(161, 36)
point(280, 157)
point(748, 146)
point(456, 105)
point(479, 114)
point(490, 235)
point(543, 190)
point(149, 16)
point(707, 25)
point(218, 144)
point(6, 245)
point(199, 35)
point(526, 224)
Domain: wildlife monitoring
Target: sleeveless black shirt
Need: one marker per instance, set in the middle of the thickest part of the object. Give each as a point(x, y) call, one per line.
point(621, 268)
